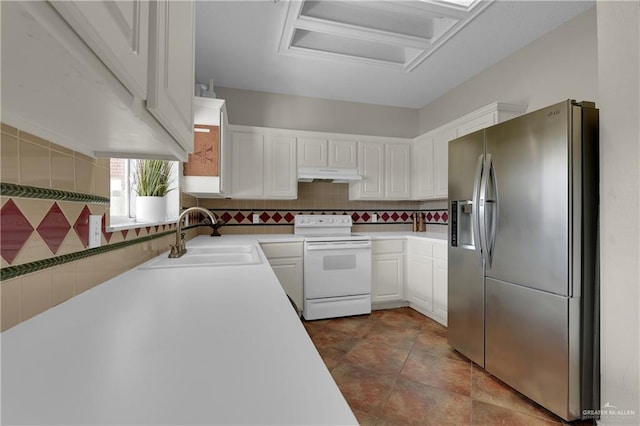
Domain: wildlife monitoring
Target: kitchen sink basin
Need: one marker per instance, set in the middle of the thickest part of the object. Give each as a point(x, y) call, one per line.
point(209, 256)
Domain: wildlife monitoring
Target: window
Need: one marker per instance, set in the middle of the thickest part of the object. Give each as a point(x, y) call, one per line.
point(123, 194)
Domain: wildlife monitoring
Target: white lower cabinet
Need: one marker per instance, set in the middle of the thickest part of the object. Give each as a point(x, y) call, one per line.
point(427, 278)
point(387, 270)
point(286, 260)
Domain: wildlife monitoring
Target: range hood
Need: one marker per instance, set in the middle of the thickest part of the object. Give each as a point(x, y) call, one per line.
point(310, 174)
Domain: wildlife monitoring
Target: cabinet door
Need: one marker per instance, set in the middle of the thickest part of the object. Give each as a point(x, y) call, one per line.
point(398, 171)
point(248, 165)
point(312, 152)
point(280, 180)
point(205, 158)
point(342, 154)
point(441, 161)
point(420, 282)
point(422, 168)
point(289, 273)
point(440, 291)
point(387, 278)
point(117, 32)
point(171, 63)
point(371, 168)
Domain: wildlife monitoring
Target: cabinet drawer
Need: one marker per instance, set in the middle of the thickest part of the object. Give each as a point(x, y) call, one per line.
point(276, 250)
point(417, 247)
point(440, 251)
point(388, 246)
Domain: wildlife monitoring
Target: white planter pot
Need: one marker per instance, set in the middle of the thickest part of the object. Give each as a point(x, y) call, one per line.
point(151, 209)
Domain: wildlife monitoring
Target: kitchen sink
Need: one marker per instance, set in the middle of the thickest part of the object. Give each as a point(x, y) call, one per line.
point(209, 256)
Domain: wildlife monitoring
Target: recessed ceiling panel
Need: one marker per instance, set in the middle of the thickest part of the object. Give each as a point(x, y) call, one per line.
point(393, 33)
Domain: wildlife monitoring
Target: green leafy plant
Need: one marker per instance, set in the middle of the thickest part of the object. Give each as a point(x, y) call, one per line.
point(153, 177)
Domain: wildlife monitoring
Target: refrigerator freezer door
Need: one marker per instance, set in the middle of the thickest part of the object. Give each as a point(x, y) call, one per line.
point(466, 273)
point(532, 342)
point(531, 161)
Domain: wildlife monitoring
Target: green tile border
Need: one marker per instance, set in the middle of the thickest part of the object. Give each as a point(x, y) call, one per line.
point(24, 191)
point(28, 268)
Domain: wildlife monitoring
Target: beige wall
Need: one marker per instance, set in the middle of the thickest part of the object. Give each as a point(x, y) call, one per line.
point(560, 65)
point(619, 103)
point(251, 108)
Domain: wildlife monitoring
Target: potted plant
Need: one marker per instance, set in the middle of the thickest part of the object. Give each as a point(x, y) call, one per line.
point(153, 179)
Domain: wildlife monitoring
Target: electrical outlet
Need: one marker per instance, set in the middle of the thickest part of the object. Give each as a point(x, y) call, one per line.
point(374, 217)
point(256, 219)
point(95, 228)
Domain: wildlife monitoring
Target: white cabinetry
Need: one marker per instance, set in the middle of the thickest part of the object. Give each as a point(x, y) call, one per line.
point(171, 76)
point(118, 80)
point(333, 153)
point(212, 112)
point(286, 260)
point(388, 270)
point(430, 178)
point(264, 166)
point(386, 172)
point(117, 32)
point(427, 278)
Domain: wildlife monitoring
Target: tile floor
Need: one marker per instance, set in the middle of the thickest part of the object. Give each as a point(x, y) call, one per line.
point(394, 367)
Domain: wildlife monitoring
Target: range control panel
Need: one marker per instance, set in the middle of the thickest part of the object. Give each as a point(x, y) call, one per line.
point(321, 221)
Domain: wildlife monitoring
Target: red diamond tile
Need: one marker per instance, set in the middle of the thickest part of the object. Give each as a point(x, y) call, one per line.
point(355, 217)
point(384, 216)
point(264, 217)
point(124, 234)
point(226, 217)
point(277, 217)
point(395, 216)
point(54, 228)
point(157, 228)
point(436, 216)
point(366, 217)
point(138, 231)
point(16, 230)
point(81, 226)
point(239, 217)
point(429, 217)
point(107, 236)
point(445, 216)
point(289, 217)
point(148, 230)
point(404, 216)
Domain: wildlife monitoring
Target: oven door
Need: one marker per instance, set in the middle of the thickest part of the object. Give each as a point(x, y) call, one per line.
point(337, 268)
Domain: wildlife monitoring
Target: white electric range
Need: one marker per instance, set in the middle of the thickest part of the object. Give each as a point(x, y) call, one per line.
point(337, 267)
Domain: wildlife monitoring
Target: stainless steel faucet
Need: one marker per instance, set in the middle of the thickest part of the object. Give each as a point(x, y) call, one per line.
point(178, 249)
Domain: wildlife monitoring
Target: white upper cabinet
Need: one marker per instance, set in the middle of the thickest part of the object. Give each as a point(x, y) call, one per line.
point(280, 178)
point(171, 77)
point(371, 168)
point(386, 172)
point(397, 171)
point(431, 170)
point(342, 154)
point(333, 153)
point(441, 140)
point(117, 32)
point(422, 168)
point(264, 165)
point(104, 78)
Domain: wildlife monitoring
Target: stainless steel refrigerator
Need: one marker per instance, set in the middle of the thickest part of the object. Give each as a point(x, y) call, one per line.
point(523, 203)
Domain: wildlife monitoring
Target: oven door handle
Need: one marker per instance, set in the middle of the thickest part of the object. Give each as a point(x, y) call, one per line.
point(350, 245)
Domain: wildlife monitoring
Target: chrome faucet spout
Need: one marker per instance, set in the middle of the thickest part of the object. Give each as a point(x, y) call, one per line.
point(179, 249)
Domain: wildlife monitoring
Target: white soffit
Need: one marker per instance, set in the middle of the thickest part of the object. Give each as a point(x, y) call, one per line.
point(397, 34)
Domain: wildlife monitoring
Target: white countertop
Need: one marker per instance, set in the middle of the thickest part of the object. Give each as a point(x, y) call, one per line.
point(408, 234)
point(205, 345)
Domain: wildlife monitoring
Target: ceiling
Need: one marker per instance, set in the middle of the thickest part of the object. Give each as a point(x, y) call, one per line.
point(397, 53)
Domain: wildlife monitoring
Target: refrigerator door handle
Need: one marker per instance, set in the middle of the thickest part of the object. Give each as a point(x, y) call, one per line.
point(482, 209)
point(475, 216)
